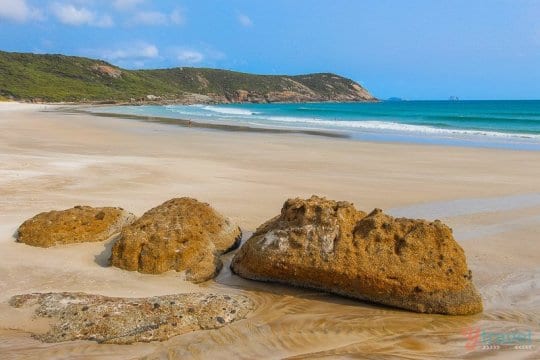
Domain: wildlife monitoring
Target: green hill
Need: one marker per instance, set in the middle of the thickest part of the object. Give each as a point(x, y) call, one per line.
point(60, 78)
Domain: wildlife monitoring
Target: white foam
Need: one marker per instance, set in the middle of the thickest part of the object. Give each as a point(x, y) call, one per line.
point(397, 127)
point(203, 110)
point(210, 112)
point(228, 110)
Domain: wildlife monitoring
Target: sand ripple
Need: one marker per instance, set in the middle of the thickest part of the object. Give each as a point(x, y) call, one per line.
point(300, 324)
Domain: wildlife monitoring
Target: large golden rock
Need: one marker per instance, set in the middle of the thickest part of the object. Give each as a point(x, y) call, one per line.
point(181, 234)
point(317, 243)
point(76, 225)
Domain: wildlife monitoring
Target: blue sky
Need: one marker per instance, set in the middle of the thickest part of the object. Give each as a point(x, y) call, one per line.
point(423, 49)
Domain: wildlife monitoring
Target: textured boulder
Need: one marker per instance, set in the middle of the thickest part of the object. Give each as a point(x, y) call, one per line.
point(327, 245)
point(181, 234)
point(79, 316)
point(76, 225)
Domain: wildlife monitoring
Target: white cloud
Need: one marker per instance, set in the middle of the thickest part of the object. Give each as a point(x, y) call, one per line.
point(104, 21)
point(190, 56)
point(150, 18)
point(195, 54)
point(245, 20)
point(137, 51)
point(71, 15)
point(126, 4)
point(18, 10)
point(177, 17)
point(157, 18)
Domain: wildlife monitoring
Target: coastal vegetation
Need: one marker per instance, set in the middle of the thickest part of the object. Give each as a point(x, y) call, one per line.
point(60, 78)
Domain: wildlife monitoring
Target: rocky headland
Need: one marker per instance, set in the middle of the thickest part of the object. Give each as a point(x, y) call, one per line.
point(45, 78)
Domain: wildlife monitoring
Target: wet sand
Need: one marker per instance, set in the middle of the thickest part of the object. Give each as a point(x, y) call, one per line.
point(51, 160)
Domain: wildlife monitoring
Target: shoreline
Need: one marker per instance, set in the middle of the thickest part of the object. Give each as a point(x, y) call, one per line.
point(55, 160)
point(368, 137)
point(210, 126)
point(465, 140)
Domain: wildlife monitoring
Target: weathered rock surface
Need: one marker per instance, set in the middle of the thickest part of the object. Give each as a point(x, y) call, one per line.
point(181, 234)
point(76, 225)
point(79, 316)
point(327, 245)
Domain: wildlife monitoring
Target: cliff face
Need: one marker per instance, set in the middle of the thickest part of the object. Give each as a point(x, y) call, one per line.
point(57, 78)
point(293, 89)
point(230, 86)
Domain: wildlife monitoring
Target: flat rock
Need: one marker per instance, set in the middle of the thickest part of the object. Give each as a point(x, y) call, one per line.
point(322, 244)
point(80, 316)
point(182, 234)
point(76, 225)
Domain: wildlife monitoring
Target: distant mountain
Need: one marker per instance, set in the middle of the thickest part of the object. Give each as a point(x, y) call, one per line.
point(60, 78)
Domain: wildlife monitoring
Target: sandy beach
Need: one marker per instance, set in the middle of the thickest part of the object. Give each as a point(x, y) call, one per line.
point(51, 159)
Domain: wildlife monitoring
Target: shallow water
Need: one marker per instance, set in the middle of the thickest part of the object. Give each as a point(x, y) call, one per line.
point(304, 324)
point(498, 124)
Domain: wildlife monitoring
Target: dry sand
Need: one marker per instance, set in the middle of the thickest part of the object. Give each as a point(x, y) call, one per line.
point(51, 160)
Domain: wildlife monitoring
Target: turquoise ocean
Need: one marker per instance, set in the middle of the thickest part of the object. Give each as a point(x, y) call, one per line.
point(498, 124)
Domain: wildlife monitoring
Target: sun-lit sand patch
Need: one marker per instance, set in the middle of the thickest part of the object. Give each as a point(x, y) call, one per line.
point(17, 106)
point(18, 175)
point(54, 161)
point(73, 164)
